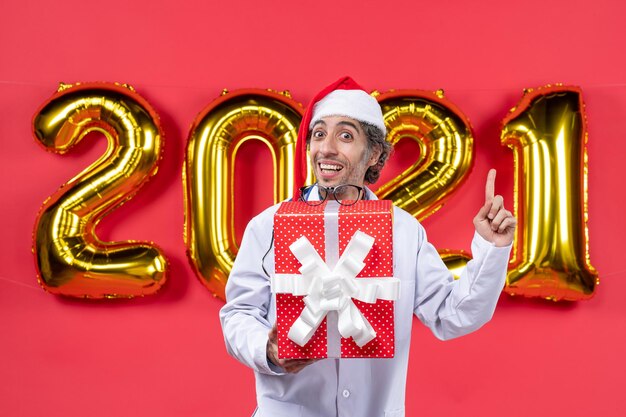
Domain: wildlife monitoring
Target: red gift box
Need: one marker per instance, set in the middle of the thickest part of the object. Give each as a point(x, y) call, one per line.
point(334, 277)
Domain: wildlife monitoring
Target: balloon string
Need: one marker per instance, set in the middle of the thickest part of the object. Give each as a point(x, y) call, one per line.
point(610, 274)
point(20, 283)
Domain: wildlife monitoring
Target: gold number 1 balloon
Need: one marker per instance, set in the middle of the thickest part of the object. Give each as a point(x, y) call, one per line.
point(548, 133)
point(216, 135)
point(70, 258)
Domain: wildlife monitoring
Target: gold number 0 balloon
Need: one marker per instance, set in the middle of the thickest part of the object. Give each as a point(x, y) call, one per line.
point(70, 258)
point(216, 134)
point(548, 133)
point(444, 135)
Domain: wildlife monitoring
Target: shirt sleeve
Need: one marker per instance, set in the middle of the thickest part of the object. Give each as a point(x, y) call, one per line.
point(244, 317)
point(453, 308)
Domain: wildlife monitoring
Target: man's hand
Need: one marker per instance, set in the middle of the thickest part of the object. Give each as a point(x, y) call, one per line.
point(493, 222)
point(292, 366)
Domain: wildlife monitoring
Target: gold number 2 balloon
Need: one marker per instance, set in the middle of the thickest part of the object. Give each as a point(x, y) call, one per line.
point(70, 258)
point(444, 136)
point(445, 139)
point(215, 136)
point(547, 132)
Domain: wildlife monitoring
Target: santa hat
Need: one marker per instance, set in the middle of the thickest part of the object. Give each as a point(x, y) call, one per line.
point(344, 97)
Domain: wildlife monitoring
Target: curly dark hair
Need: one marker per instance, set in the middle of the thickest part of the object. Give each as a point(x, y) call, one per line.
point(376, 140)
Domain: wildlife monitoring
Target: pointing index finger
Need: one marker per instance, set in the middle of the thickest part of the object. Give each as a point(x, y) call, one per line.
point(490, 186)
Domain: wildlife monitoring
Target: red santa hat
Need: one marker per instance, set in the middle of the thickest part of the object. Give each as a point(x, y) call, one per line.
point(344, 97)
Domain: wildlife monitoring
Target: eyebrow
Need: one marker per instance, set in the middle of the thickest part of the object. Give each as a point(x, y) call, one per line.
point(343, 122)
point(354, 126)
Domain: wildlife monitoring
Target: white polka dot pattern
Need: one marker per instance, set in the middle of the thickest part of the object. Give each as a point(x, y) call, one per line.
point(374, 218)
point(296, 219)
point(291, 221)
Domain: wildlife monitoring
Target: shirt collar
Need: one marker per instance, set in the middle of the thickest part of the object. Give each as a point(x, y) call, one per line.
point(313, 195)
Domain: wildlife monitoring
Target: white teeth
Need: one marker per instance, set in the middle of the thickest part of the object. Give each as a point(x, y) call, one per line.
point(330, 167)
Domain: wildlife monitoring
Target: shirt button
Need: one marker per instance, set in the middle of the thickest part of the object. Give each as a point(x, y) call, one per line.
point(345, 393)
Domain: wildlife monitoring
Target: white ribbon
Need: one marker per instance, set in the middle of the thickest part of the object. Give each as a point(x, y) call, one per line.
point(327, 290)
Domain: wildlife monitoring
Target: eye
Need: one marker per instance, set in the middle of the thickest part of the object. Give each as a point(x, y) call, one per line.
point(346, 136)
point(318, 134)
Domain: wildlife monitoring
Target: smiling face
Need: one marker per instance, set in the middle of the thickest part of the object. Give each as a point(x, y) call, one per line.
point(340, 152)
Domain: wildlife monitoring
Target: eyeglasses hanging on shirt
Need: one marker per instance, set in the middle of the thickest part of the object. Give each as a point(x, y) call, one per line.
point(345, 194)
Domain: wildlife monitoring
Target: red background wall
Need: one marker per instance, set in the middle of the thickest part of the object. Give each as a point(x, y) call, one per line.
point(163, 355)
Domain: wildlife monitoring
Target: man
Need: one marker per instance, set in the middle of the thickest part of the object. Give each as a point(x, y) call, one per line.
point(345, 132)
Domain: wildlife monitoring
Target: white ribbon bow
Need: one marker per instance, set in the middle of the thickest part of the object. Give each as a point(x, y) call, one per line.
point(327, 290)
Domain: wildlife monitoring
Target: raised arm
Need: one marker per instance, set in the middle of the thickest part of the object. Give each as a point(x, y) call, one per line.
point(452, 308)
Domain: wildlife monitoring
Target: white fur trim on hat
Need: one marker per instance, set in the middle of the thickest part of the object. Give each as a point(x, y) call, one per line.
point(356, 104)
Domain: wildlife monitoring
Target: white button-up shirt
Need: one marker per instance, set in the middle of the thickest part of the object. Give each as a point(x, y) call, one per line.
point(356, 387)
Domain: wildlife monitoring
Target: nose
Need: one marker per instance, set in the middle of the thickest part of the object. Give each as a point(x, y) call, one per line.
point(328, 146)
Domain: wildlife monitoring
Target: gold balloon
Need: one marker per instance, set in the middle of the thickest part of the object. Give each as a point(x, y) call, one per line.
point(455, 260)
point(444, 136)
point(215, 136)
point(70, 258)
point(547, 132)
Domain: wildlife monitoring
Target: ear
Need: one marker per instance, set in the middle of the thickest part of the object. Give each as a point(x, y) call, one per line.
point(373, 160)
